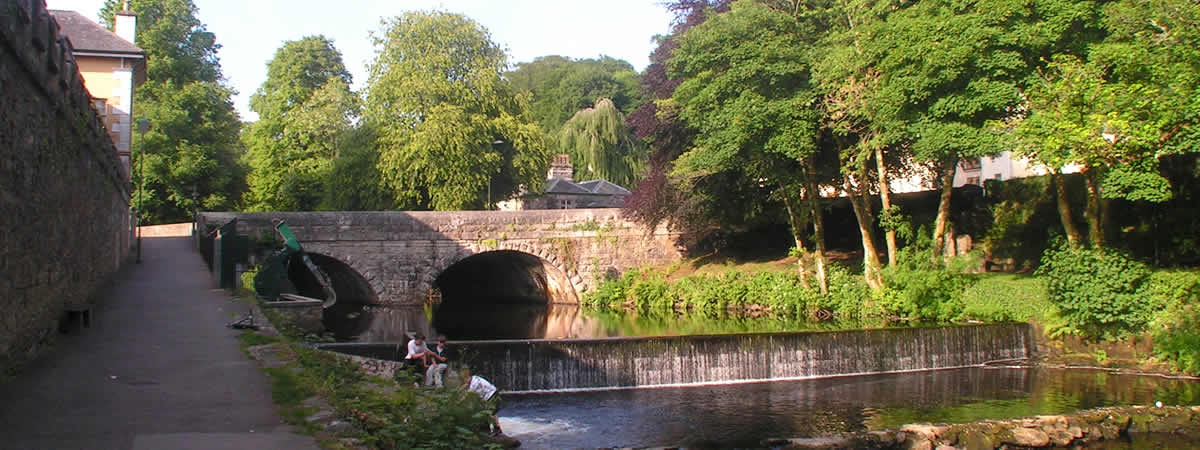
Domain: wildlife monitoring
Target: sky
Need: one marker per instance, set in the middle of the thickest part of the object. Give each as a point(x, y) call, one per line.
point(250, 32)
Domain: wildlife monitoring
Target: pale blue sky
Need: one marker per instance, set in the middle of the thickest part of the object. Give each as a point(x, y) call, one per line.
point(251, 30)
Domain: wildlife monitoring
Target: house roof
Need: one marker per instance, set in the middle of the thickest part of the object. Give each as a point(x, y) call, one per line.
point(603, 187)
point(563, 186)
point(87, 36)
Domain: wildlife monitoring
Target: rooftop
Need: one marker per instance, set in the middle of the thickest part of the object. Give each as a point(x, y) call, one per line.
point(87, 36)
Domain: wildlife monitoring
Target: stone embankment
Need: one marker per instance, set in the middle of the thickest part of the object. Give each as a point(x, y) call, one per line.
point(1037, 432)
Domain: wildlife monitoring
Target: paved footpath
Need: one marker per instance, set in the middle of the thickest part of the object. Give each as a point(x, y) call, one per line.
point(181, 382)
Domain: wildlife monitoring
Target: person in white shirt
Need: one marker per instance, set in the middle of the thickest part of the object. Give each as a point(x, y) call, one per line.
point(418, 354)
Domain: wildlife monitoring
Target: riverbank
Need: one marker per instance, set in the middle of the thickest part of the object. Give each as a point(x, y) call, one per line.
point(1078, 429)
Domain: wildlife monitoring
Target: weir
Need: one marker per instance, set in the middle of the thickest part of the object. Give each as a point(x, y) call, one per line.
point(543, 365)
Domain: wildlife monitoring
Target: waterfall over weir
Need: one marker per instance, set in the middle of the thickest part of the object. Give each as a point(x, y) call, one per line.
point(612, 363)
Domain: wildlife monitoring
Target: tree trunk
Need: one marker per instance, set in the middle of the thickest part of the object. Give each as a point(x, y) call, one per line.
point(885, 197)
point(1064, 209)
point(796, 227)
point(812, 196)
point(943, 213)
point(862, 211)
point(1093, 212)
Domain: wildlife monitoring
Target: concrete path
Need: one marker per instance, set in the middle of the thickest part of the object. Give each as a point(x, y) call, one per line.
point(158, 369)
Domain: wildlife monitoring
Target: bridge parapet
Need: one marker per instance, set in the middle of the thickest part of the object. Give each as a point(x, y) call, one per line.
point(401, 253)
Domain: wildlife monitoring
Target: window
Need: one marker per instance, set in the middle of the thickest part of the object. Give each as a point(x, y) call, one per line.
point(973, 180)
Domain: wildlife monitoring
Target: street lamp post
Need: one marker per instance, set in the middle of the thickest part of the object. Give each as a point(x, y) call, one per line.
point(143, 125)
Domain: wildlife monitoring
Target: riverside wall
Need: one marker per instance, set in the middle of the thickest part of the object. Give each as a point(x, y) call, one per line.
point(64, 196)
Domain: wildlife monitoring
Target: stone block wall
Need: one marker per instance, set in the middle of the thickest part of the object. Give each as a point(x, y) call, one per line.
point(64, 197)
point(400, 254)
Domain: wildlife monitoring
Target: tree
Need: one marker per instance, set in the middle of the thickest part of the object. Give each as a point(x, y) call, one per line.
point(305, 109)
point(746, 89)
point(561, 86)
point(451, 130)
point(192, 147)
point(600, 146)
point(1118, 108)
point(657, 198)
point(949, 69)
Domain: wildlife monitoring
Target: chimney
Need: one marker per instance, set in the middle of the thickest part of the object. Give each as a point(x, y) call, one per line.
point(561, 168)
point(125, 23)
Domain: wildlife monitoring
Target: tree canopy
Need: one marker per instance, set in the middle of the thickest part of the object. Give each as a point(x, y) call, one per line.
point(305, 109)
point(452, 132)
point(192, 146)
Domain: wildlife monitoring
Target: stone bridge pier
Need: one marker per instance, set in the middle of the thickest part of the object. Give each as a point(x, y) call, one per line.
point(406, 258)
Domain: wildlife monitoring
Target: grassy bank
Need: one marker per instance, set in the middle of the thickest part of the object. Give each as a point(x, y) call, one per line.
point(331, 398)
point(1094, 308)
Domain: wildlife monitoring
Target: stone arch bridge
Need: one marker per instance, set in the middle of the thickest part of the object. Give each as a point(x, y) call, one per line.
point(404, 258)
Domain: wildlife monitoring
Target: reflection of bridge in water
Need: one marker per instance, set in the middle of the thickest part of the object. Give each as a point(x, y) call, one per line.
point(476, 322)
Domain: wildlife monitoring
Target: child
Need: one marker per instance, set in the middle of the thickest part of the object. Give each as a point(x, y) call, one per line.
point(437, 364)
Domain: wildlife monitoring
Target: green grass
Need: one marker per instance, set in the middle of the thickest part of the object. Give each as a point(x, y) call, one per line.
point(1008, 297)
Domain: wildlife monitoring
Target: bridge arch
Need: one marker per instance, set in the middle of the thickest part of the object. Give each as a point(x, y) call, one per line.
point(501, 275)
point(348, 317)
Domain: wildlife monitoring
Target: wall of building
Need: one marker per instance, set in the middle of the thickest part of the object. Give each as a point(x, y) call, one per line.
point(112, 79)
point(63, 197)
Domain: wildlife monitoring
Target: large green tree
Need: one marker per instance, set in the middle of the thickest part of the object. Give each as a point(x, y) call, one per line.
point(747, 91)
point(305, 110)
point(452, 132)
point(1117, 109)
point(192, 148)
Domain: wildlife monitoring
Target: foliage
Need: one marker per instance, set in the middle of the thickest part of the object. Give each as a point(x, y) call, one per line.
point(918, 288)
point(305, 109)
point(1008, 298)
point(192, 146)
point(1099, 292)
point(561, 86)
point(354, 182)
point(1178, 340)
point(648, 292)
point(656, 199)
point(450, 129)
point(600, 146)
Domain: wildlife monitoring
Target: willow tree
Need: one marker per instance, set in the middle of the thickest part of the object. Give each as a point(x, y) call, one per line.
point(452, 133)
point(601, 146)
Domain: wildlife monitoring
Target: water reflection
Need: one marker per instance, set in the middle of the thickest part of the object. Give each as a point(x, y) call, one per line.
point(364, 323)
point(741, 415)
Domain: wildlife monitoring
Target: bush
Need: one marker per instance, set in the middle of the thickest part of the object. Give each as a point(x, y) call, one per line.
point(1006, 297)
point(1177, 339)
point(1099, 292)
point(918, 288)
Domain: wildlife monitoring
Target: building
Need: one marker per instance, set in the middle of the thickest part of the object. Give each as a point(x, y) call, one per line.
point(976, 171)
point(111, 66)
point(564, 193)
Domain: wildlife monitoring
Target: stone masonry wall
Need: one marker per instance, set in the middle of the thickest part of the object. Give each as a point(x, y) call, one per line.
point(401, 253)
point(64, 198)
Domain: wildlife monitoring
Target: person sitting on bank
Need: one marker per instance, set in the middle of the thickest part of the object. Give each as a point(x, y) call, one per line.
point(418, 353)
point(437, 363)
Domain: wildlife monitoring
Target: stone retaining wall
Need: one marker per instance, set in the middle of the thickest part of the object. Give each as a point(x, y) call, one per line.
point(64, 195)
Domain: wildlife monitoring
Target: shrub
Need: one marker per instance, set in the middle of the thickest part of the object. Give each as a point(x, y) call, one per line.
point(1099, 292)
point(1177, 339)
point(918, 288)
